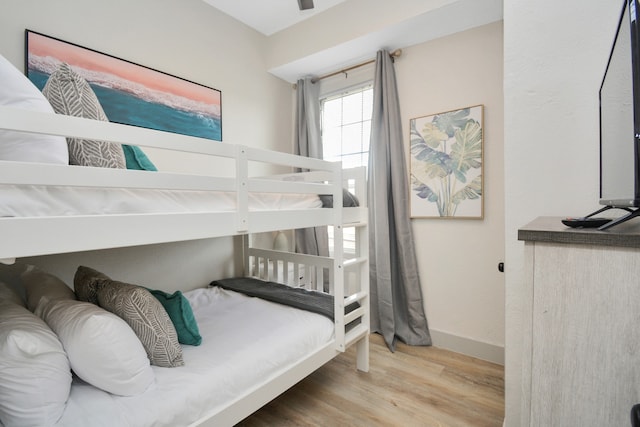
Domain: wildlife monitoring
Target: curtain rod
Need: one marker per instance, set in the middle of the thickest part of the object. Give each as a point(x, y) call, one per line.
point(395, 54)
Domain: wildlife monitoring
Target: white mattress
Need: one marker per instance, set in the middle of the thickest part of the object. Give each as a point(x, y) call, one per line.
point(245, 340)
point(31, 201)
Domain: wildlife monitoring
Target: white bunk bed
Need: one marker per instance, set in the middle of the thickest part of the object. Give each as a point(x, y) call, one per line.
point(39, 233)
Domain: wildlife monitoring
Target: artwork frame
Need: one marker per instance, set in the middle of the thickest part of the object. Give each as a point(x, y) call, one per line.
point(447, 164)
point(130, 93)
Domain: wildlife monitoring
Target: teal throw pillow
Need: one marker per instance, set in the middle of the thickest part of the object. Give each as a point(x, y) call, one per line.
point(137, 159)
point(181, 314)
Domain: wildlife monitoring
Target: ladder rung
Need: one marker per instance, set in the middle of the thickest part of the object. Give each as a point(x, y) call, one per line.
point(358, 296)
point(354, 261)
point(355, 314)
point(355, 334)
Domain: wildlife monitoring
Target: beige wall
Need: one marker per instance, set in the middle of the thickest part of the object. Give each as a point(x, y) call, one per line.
point(458, 258)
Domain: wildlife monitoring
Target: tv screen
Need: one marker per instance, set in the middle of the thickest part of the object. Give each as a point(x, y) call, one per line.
point(619, 116)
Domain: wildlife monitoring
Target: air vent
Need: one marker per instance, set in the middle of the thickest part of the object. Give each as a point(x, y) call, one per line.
point(305, 4)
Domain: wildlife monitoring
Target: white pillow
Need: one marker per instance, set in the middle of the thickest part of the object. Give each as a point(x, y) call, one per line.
point(17, 91)
point(102, 349)
point(34, 370)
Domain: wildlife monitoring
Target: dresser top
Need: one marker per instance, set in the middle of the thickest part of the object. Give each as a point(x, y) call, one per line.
point(552, 230)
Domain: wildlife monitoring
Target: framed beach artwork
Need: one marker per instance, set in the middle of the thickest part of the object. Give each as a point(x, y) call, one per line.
point(130, 93)
point(446, 179)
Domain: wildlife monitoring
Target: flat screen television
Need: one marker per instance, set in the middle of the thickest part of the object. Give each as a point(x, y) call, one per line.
point(620, 119)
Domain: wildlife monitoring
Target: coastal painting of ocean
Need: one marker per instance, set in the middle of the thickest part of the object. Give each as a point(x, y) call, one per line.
point(130, 93)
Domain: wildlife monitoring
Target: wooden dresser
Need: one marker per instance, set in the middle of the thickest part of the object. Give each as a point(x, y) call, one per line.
point(581, 361)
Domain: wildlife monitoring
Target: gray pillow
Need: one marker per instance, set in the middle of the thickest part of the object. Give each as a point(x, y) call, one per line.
point(70, 94)
point(86, 282)
point(42, 288)
point(348, 200)
point(146, 316)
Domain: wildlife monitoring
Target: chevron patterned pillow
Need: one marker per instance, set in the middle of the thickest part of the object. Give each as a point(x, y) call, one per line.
point(70, 94)
point(146, 316)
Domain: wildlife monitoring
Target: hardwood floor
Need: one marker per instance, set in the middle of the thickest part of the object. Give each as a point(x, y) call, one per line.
point(415, 386)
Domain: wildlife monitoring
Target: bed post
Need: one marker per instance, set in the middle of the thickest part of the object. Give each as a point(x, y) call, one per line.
point(362, 251)
point(338, 261)
point(360, 266)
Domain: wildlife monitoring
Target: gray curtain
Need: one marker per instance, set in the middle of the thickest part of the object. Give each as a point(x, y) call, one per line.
point(397, 310)
point(308, 143)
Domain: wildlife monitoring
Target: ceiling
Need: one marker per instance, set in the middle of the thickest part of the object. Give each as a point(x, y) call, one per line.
point(435, 19)
point(270, 16)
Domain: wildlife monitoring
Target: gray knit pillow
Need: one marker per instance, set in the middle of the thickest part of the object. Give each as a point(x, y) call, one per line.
point(70, 94)
point(146, 316)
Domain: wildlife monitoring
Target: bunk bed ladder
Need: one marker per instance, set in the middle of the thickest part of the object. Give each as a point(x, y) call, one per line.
point(348, 277)
point(359, 267)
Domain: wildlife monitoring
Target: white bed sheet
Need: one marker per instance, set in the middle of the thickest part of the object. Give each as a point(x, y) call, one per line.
point(245, 340)
point(34, 200)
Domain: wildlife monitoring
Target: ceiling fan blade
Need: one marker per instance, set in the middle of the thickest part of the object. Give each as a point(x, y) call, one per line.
point(305, 4)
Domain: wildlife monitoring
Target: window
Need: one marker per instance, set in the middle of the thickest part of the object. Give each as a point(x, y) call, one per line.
point(346, 128)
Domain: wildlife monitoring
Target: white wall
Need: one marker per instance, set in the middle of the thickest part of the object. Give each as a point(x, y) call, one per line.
point(457, 258)
point(186, 38)
point(554, 57)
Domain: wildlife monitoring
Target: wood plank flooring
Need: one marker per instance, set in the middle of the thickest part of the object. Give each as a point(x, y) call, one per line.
point(415, 386)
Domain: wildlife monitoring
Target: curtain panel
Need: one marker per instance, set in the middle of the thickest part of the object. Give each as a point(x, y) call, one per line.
point(308, 142)
point(397, 309)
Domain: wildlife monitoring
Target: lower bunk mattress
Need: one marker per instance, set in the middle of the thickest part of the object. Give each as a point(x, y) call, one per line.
point(245, 341)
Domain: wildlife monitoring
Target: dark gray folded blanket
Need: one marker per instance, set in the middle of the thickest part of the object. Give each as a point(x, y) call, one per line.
point(313, 301)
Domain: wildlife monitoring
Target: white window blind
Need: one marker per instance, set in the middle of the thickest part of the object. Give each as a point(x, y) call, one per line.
point(346, 129)
point(346, 126)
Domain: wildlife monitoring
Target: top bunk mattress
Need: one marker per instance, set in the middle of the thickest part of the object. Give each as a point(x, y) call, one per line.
point(245, 341)
point(38, 201)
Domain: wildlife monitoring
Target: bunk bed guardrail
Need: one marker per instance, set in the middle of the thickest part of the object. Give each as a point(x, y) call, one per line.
point(61, 234)
point(326, 176)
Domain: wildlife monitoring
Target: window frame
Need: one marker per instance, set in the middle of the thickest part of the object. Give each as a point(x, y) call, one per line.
point(349, 233)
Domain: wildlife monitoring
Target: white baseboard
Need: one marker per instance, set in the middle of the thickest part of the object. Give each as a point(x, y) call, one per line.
point(481, 350)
